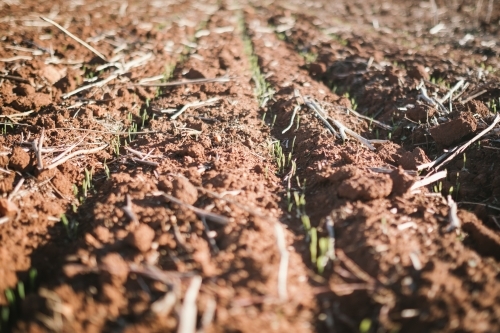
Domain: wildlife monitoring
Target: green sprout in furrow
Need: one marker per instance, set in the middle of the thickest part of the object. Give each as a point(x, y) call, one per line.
point(263, 91)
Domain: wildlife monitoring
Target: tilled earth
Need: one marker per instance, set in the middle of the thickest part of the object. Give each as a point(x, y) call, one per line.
point(249, 166)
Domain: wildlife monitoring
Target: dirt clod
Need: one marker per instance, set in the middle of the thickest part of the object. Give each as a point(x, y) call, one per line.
point(7, 208)
point(366, 187)
point(410, 160)
point(19, 159)
point(183, 190)
point(418, 72)
point(421, 113)
point(141, 238)
point(454, 130)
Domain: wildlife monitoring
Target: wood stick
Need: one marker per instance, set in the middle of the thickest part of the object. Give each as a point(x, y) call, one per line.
point(180, 83)
point(284, 258)
point(76, 153)
point(428, 180)
point(201, 212)
point(97, 53)
point(189, 311)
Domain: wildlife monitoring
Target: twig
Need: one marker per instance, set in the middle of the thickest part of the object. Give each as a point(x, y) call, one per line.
point(95, 84)
point(127, 209)
point(479, 204)
point(66, 151)
point(76, 153)
point(153, 78)
point(15, 190)
point(454, 221)
point(5, 171)
point(342, 128)
point(468, 143)
point(473, 96)
point(19, 57)
point(211, 240)
point(97, 53)
point(125, 68)
point(187, 318)
point(200, 212)
point(180, 83)
point(208, 315)
point(150, 163)
point(194, 104)
point(371, 120)
point(13, 78)
point(295, 109)
point(284, 257)
point(354, 268)
point(423, 95)
point(140, 154)
point(37, 148)
point(164, 305)
point(452, 90)
point(495, 221)
point(16, 115)
point(428, 180)
point(321, 115)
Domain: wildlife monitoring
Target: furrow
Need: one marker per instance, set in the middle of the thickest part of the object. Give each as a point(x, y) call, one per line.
point(391, 244)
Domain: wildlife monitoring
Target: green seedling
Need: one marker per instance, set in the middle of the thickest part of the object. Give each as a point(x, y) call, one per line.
point(313, 246)
point(365, 325)
point(33, 273)
point(5, 314)
point(289, 200)
point(20, 290)
point(309, 57)
point(75, 190)
point(262, 88)
point(323, 258)
point(144, 116)
point(70, 227)
point(10, 296)
point(274, 121)
point(306, 222)
point(298, 122)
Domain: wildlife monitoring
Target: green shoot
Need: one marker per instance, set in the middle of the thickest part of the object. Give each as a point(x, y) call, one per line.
point(33, 273)
point(313, 247)
point(20, 290)
point(365, 325)
point(323, 258)
point(10, 296)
